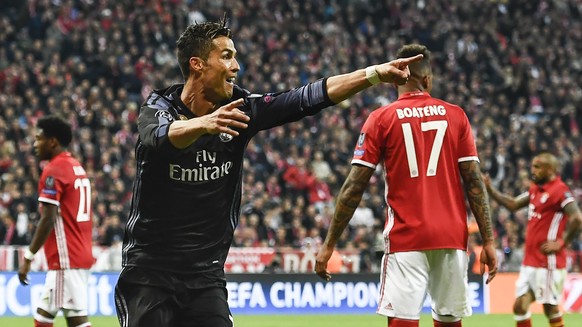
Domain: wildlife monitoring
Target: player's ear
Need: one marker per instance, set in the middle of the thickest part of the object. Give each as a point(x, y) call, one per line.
point(196, 63)
point(427, 82)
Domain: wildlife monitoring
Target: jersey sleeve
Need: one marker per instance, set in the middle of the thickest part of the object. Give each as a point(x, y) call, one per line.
point(154, 122)
point(467, 147)
point(566, 197)
point(50, 187)
point(275, 109)
point(367, 151)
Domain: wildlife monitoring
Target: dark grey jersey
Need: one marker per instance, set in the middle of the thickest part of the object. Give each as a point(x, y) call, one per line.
point(186, 202)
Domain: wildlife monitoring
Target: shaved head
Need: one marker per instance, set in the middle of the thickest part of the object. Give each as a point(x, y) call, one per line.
point(544, 168)
point(549, 160)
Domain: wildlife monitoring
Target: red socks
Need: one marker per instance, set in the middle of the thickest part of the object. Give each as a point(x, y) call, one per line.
point(447, 324)
point(42, 324)
point(557, 322)
point(397, 322)
point(524, 323)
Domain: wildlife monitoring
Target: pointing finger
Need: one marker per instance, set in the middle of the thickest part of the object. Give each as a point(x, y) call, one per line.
point(409, 60)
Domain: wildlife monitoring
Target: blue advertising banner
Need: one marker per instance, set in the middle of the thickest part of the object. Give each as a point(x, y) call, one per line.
point(248, 294)
point(307, 294)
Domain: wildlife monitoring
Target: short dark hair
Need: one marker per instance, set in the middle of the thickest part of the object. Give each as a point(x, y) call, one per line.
point(196, 41)
point(55, 126)
point(419, 68)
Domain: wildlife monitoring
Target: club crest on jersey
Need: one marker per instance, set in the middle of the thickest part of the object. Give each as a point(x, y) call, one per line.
point(544, 198)
point(164, 114)
point(224, 137)
point(49, 182)
point(361, 139)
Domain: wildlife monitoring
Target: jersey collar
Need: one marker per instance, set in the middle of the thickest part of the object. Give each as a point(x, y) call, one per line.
point(414, 94)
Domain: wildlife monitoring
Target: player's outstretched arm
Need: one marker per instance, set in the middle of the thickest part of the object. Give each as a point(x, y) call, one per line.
point(341, 87)
point(347, 202)
point(510, 202)
point(479, 202)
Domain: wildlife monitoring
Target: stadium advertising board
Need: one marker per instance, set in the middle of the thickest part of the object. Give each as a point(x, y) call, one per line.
point(306, 293)
point(248, 294)
point(283, 294)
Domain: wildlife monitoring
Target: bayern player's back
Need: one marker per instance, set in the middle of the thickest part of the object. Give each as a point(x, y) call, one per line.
point(425, 138)
point(71, 246)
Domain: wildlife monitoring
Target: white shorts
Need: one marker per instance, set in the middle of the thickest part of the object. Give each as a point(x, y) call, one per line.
point(407, 277)
point(66, 290)
point(546, 284)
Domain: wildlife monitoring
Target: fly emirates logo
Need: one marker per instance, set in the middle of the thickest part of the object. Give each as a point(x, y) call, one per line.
point(419, 112)
point(207, 169)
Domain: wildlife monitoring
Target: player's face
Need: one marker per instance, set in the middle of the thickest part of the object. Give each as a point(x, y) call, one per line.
point(221, 69)
point(539, 170)
point(42, 146)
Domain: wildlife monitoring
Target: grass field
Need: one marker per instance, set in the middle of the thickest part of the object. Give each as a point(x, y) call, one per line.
point(571, 320)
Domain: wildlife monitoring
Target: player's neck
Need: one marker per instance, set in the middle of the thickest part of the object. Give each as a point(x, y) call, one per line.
point(193, 96)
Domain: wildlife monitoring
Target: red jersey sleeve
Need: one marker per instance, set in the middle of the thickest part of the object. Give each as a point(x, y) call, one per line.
point(367, 151)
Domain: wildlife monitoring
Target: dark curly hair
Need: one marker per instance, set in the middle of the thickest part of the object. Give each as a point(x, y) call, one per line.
point(196, 41)
point(54, 126)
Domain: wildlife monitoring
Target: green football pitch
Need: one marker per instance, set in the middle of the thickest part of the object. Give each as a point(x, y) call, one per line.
point(478, 320)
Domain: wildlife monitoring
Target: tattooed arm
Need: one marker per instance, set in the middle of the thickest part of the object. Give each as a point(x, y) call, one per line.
point(347, 202)
point(479, 203)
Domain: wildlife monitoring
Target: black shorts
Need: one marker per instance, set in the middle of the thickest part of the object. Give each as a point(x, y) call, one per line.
point(141, 305)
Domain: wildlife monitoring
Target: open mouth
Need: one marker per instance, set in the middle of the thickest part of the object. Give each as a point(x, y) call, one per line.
point(231, 80)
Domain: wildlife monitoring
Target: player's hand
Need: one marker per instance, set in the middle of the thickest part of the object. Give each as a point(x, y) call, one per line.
point(396, 71)
point(23, 271)
point(549, 247)
point(489, 259)
point(321, 262)
point(226, 118)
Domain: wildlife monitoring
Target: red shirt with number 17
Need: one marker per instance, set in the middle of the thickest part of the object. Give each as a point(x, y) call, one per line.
point(64, 183)
point(420, 141)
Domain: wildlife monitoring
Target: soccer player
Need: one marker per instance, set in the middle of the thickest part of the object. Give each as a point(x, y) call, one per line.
point(187, 192)
point(426, 147)
point(554, 219)
point(64, 228)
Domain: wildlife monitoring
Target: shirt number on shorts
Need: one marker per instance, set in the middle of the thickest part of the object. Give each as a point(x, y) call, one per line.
point(84, 187)
point(441, 127)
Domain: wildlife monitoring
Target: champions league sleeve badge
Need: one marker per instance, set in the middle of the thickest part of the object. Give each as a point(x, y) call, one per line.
point(164, 114)
point(224, 137)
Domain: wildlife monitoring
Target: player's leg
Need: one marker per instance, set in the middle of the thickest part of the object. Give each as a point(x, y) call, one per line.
point(448, 286)
point(553, 281)
point(403, 285)
point(44, 315)
point(142, 305)
point(205, 308)
point(74, 304)
point(524, 296)
point(78, 319)
point(554, 315)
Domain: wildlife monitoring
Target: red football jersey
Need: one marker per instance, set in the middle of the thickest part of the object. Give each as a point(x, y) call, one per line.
point(546, 222)
point(420, 140)
point(64, 183)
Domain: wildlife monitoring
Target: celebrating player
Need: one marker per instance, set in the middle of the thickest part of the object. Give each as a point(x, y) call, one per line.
point(187, 192)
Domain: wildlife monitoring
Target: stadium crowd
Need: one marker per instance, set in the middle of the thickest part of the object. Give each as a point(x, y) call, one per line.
point(515, 67)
